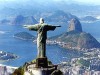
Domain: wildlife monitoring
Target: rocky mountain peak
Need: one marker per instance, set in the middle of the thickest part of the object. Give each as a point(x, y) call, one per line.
point(74, 25)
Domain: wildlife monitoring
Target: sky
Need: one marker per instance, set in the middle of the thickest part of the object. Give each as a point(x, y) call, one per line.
point(95, 2)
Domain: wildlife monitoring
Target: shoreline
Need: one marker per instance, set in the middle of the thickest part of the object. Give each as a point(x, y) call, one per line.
point(64, 45)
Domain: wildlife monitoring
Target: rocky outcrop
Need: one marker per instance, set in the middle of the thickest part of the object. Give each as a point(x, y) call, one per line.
point(75, 25)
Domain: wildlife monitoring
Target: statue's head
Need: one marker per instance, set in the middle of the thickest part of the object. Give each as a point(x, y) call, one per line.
point(41, 20)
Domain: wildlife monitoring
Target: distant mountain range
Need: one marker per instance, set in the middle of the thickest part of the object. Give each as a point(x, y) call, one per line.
point(48, 10)
point(55, 17)
point(28, 9)
point(20, 20)
point(59, 16)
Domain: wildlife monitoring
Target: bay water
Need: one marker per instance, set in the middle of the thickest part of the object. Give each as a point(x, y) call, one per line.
point(26, 50)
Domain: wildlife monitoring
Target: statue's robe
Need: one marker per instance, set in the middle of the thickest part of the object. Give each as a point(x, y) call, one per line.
point(42, 36)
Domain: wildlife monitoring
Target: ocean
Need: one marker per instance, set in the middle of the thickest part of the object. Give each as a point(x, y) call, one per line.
point(27, 51)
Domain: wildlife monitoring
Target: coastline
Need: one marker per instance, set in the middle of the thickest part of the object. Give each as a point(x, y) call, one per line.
point(64, 45)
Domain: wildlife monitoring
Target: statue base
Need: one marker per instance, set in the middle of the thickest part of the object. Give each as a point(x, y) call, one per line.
point(39, 67)
point(40, 71)
point(42, 62)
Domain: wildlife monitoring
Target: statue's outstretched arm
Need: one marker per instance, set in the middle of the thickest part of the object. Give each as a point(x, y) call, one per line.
point(51, 27)
point(58, 26)
point(55, 25)
point(31, 27)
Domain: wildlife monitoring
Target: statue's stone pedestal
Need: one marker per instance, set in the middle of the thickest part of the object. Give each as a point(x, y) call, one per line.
point(40, 71)
point(42, 62)
point(40, 68)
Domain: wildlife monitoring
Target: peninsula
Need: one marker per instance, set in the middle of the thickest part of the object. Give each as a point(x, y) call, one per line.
point(75, 38)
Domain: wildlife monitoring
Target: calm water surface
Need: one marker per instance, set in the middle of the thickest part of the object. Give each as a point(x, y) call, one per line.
point(26, 50)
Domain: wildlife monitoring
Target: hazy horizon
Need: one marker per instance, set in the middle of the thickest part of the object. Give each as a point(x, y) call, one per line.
point(86, 2)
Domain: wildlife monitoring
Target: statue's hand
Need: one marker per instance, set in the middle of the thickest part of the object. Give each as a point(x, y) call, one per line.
point(58, 26)
point(25, 26)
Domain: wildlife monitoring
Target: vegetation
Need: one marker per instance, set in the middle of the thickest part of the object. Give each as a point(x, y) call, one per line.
point(77, 39)
point(19, 71)
point(57, 72)
point(83, 62)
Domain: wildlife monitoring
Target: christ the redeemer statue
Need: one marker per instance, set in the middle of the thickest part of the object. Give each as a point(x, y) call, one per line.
point(41, 29)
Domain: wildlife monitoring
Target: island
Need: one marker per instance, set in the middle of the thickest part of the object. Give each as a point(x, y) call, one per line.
point(24, 36)
point(7, 56)
point(88, 19)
